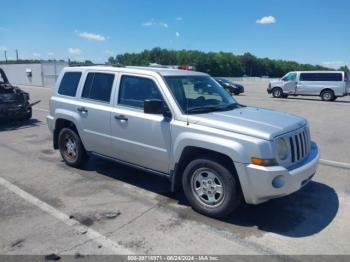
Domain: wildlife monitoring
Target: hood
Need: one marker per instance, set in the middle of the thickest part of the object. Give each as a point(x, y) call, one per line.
point(276, 82)
point(257, 122)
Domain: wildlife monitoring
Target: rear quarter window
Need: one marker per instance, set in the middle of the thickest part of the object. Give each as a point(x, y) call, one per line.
point(69, 84)
point(321, 77)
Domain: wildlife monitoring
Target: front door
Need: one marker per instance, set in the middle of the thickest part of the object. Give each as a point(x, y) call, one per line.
point(290, 84)
point(139, 138)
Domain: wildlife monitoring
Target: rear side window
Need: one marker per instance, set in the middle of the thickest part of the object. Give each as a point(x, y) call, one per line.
point(69, 84)
point(98, 86)
point(321, 77)
point(134, 91)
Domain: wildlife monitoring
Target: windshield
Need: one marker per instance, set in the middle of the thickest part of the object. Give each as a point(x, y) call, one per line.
point(200, 94)
point(225, 81)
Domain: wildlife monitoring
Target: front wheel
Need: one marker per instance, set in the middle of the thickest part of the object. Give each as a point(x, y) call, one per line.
point(277, 92)
point(71, 147)
point(211, 188)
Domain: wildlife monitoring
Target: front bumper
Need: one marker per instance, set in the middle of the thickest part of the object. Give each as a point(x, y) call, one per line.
point(14, 110)
point(265, 183)
point(50, 122)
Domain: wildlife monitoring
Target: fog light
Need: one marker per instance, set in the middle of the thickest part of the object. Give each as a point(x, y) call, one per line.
point(278, 182)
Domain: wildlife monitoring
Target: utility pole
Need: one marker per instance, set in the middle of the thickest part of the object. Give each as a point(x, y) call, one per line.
point(17, 55)
point(5, 56)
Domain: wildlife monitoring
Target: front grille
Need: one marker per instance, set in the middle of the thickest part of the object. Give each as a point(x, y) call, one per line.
point(299, 145)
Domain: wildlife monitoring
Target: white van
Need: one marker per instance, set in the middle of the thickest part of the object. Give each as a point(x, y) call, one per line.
point(329, 85)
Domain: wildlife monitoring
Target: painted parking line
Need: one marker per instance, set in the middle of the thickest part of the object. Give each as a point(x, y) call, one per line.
point(41, 109)
point(76, 225)
point(335, 163)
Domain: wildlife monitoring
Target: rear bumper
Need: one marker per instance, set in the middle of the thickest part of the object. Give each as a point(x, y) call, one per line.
point(265, 183)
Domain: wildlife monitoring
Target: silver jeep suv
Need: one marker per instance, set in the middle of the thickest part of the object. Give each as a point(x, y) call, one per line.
point(218, 151)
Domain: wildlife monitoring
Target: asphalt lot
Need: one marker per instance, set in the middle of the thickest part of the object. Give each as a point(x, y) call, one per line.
point(106, 208)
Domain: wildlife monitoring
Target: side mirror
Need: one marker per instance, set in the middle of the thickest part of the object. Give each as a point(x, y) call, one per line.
point(154, 106)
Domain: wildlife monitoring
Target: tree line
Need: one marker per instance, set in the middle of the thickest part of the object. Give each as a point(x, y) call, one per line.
point(215, 63)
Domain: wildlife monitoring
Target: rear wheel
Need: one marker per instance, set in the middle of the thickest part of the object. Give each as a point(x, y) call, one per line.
point(71, 147)
point(327, 95)
point(277, 92)
point(211, 188)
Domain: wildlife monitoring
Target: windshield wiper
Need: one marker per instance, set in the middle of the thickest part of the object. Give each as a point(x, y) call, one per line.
point(203, 109)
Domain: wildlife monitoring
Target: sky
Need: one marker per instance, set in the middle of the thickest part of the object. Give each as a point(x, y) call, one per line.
point(306, 31)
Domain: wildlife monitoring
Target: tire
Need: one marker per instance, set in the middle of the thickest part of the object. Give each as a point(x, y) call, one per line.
point(334, 98)
point(327, 95)
point(206, 176)
point(71, 148)
point(285, 96)
point(277, 92)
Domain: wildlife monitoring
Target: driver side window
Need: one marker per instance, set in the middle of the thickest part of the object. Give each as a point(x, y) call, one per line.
point(290, 77)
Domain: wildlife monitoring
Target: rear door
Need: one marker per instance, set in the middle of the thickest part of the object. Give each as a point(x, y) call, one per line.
point(94, 109)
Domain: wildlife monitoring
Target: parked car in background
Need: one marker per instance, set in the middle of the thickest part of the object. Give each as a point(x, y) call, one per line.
point(329, 85)
point(153, 119)
point(14, 102)
point(232, 88)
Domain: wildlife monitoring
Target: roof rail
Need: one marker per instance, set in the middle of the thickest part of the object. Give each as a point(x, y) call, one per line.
point(82, 64)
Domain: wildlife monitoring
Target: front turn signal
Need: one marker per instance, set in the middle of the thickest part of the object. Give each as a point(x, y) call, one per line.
point(263, 162)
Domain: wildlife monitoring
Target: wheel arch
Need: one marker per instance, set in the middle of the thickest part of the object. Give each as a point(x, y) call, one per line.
point(327, 89)
point(190, 153)
point(59, 125)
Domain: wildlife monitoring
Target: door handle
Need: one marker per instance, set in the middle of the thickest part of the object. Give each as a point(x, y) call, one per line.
point(121, 117)
point(82, 110)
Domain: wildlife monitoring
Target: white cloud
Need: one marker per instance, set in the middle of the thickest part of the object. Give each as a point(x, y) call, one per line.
point(74, 51)
point(179, 18)
point(109, 52)
point(50, 53)
point(177, 34)
point(162, 24)
point(3, 48)
point(149, 23)
point(335, 64)
point(266, 20)
point(153, 23)
point(92, 36)
point(35, 54)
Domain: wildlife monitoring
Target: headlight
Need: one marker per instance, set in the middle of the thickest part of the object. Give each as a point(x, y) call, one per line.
point(282, 149)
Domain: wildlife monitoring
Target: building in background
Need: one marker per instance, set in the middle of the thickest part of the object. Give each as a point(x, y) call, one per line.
point(42, 74)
